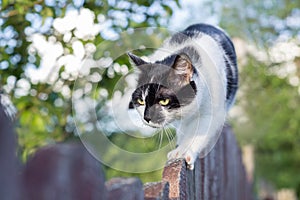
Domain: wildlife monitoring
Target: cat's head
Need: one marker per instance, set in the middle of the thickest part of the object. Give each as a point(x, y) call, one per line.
point(165, 88)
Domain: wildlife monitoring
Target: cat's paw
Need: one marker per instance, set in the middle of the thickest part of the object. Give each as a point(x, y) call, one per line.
point(174, 154)
point(190, 158)
point(188, 155)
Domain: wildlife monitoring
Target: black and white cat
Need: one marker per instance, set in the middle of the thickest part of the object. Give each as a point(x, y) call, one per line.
point(190, 82)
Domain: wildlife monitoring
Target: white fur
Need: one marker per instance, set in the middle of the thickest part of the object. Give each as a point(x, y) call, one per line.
point(202, 120)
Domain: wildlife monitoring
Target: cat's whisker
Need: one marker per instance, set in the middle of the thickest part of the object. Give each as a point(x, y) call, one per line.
point(172, 126)
point(161, 135)
point(169, 136)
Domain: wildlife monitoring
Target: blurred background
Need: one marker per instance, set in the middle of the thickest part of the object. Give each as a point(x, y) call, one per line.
point(44, 43)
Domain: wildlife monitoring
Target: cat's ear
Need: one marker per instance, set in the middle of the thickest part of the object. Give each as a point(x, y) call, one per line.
point(136, 60)
point(130, 106)
point(182, 69)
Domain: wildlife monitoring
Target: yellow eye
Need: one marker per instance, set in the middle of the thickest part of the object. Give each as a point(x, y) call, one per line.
point(141, 102)
point(164, 102)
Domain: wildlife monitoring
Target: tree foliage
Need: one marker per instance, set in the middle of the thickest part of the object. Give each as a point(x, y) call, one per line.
point(271, 125)
point(269, 71)
point(44, 104)
point(269, 85)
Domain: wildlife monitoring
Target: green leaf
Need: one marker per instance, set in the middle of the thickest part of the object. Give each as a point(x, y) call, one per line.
point(4, 3)
point(38, 123)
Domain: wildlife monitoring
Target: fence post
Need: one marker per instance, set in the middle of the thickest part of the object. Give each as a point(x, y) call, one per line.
point(219, 175)
point(9, 187)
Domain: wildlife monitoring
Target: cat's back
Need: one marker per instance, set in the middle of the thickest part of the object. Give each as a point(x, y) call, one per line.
point(197, 30)
point(216, 42)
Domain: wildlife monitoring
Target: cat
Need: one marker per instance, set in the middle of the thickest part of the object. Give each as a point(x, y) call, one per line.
point(190, 82)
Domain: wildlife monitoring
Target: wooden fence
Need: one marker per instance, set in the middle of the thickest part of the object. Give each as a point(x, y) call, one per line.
point(69, 172)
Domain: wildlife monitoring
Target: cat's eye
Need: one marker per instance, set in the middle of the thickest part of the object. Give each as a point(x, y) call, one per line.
point(164, 102)
point(141, 101)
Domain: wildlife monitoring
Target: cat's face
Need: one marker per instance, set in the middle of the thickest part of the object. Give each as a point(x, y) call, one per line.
point(164, 89)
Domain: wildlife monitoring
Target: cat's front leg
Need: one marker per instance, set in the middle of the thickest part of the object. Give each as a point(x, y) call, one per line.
point(196, 139)
point(183, 152)
point(189, 149)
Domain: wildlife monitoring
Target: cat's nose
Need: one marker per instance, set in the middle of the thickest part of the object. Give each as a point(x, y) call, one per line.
point(147, 119)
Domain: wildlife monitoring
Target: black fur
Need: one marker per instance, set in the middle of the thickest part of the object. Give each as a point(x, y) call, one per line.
point(136, 60)
point(158, 80)
point(156, 92)
point(227, 45)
